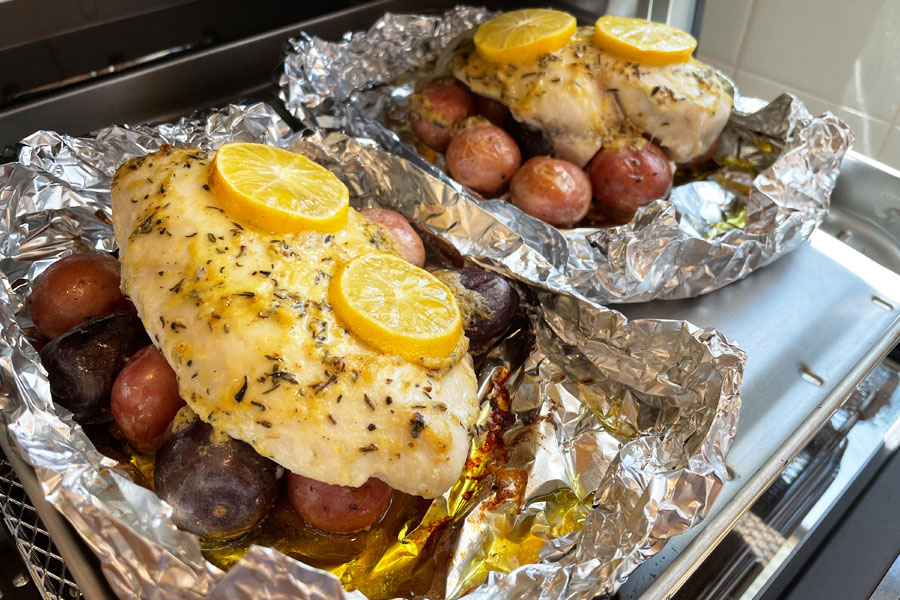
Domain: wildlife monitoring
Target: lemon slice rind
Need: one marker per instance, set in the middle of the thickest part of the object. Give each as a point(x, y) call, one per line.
point(277, 190)
point(645, 42)
point(396, 307)
point(521, 35)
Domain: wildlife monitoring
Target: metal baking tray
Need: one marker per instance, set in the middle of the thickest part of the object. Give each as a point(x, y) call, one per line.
point(814, 323)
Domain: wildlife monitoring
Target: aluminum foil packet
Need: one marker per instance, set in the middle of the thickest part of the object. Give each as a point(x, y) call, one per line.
point(778, 166)
point(614, 433)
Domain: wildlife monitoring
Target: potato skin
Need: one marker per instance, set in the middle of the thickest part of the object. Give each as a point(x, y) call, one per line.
point(219, 488)
point(145, 399)
point(75, 289)
point(82, 364)
point(408, 241)
point(484, 158)
point(494, 292)
point(337, 508)
point(436, 108)
point(554, 191)
point(492, 110)
point(630, 175)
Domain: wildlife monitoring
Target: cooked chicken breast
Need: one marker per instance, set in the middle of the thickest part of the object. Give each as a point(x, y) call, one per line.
point(583, 98)
point(242, 317)
point(560, 93)
point(683, 107)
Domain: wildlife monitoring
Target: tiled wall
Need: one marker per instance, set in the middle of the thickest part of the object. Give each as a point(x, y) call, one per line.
point(836, 55)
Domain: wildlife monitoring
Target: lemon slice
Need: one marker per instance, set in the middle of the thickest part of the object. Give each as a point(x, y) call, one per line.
point(644, 42)
point(396, 307)
point(521, 35)
point(277, 190)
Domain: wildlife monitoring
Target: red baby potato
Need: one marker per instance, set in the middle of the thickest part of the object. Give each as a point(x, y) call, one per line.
point(73, 290)
point(337, 508)
point(492, 110)
point(435, 110)
point(484, 158)
point(145, 399)
point(555, 191)
point(408, 241)
point(630, 175)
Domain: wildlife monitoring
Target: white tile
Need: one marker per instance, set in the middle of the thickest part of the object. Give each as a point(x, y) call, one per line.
point(870, 132)
point(845, 52)
point(754, 86)
point(723, 24)
point(890, 153)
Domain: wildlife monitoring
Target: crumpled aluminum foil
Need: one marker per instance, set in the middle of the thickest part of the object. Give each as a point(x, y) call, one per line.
point(696, 241)
point(618, 430)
